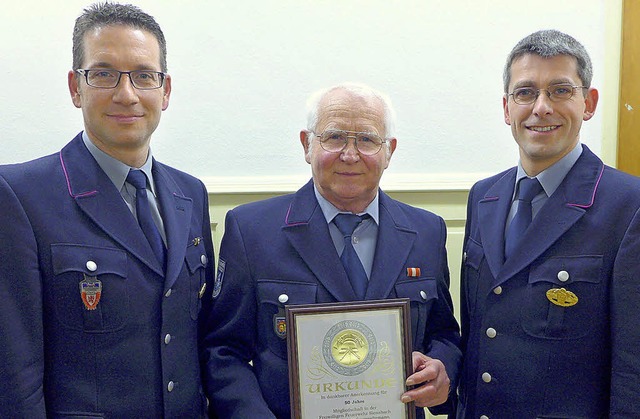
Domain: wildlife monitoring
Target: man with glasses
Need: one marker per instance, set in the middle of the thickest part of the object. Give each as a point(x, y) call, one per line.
point(287, 250)
point(105, 253)
point(551, 264)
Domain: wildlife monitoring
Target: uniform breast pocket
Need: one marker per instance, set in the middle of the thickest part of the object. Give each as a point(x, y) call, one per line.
point(422, 293)
point(273, 295)
point(565, 297)
point(196, 260)
point(89, 287)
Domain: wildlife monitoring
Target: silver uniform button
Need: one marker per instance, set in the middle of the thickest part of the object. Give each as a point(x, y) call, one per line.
point(170, 386)
point(203, 259)
point(497, 290)
point(168, 293)
point(423, 294)
point(484, 417)
point(491, 332)
point(283, 298)
point(486, 377)
point(563, 276)
point(91, 266)
point(167, 339)
point(464, 256)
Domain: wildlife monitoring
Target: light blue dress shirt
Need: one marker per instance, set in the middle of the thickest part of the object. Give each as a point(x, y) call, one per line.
point(118, 172)
point(550, 179)
point(365, 236)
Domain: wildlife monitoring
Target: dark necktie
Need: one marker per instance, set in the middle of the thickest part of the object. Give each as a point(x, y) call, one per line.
point(138, 179)
point(347, 223)
point(529, 188)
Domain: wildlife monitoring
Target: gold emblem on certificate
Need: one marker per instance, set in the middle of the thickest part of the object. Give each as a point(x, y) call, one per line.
point(349, 347)
point(349, 359)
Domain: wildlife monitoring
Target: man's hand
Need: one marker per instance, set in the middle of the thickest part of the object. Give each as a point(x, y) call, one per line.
point(431, 381)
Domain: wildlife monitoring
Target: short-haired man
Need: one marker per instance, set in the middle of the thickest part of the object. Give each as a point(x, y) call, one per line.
point(551, 267)
point(287, 250)
point(104, 252)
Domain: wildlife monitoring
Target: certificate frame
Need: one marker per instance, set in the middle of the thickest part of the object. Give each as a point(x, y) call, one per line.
point(349, 357)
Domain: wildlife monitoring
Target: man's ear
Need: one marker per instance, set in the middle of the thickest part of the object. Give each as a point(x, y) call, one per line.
point(74, 88)
point(166, 86)
point(505, 107)
point(304, 135)
point(590, 102)
point(393, 142)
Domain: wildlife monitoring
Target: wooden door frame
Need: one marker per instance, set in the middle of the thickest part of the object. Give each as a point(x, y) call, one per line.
point(628, 149)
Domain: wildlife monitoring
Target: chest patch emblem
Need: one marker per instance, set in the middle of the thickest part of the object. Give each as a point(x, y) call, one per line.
point(90, 292)
point(280, 326)
point(562, 297)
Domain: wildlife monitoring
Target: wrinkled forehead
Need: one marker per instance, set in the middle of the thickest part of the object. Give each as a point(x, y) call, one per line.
point(343, 109)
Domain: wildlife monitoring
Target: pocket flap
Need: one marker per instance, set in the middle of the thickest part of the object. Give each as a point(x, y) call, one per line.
point(270, 291)
point(196, 258)
point(417, 290)
point(473, 254)
point(90, 260)
point(567, 269)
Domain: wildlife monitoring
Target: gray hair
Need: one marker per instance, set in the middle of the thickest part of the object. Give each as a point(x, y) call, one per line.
point(107, 14)
point(547, 44)
point(360, 90)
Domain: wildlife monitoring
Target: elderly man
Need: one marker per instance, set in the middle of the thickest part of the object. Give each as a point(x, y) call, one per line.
point(551, 266)
point(104, 252)
point(291, 245)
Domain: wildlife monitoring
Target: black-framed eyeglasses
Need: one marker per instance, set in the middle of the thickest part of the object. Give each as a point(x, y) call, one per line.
point(103, 78)
point(334, 141)
point(556, 93)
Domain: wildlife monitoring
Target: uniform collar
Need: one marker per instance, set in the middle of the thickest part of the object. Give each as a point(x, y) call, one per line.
point(330, 211)
point(552, 176)
point(114, 168)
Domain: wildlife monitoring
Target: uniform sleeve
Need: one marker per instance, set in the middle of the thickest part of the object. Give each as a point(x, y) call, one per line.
point(443, 333)
point(625, 333)
point(21, 339)
point(230, 339)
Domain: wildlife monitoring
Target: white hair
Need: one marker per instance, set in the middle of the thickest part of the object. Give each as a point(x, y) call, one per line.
point(360, 90)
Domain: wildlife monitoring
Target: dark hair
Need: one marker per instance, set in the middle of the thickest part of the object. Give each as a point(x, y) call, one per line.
point(106, 14)
point(550, 43)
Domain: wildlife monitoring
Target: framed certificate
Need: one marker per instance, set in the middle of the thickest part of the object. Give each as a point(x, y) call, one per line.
point(349, 359)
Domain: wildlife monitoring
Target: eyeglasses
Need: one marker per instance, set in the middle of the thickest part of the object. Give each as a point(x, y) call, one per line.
point(556, 93)
point(334, 141)
point(109, 79)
